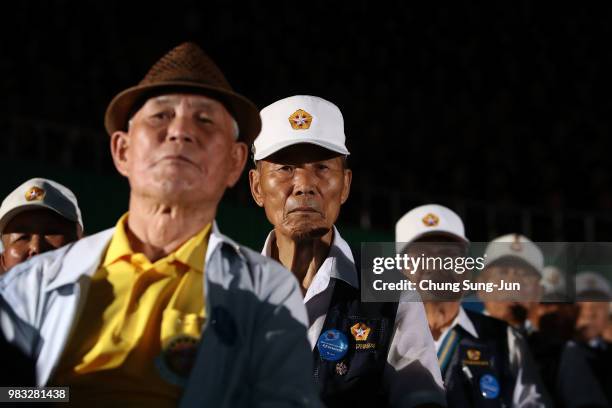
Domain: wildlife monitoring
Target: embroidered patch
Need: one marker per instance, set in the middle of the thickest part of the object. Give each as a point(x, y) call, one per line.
point(35, 194)
point(177, 359)
point(431, 220)
point(360, 331)
point(300, 119)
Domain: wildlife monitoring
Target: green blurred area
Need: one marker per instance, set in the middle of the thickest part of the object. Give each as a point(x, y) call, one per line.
point(104, 198)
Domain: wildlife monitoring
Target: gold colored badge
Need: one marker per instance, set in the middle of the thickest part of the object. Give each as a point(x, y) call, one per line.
point(473, 354)
point(360, 331)
point(35, 194)
point(300, 120)
point(431, 220)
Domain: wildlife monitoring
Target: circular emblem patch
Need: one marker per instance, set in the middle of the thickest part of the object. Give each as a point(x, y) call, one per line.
point(177, 359)
point(332, 345)
point(431, 220)
point(489, 386)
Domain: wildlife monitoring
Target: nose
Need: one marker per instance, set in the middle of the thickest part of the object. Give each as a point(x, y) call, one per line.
point(304, 182)
point(181, 129)
point(36, 246)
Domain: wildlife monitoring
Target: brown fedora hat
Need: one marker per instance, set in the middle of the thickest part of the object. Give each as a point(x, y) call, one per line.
point(185, 68)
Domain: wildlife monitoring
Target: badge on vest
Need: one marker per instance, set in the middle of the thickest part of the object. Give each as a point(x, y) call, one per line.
point(176, 360)
point(474, 357)
point(341, 368)
point(489, 386)
point(361, 332)
point(332, 345)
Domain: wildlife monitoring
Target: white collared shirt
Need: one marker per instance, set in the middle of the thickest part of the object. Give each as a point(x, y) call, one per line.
point(412, 376)
point(528, 390)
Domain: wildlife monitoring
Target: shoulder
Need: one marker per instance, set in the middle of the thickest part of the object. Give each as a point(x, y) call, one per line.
point(32, 268)
point(268, 274)
point(487, 326)
point(265, 275)
point(42, 270)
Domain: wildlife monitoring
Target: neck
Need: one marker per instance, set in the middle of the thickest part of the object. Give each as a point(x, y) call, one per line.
point(303, 257)
point(440, 315)
point(157, 229)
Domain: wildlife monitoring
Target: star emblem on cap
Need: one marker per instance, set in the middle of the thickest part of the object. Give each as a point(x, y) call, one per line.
point(431, 220)
point(300, 119)
point(35, 194)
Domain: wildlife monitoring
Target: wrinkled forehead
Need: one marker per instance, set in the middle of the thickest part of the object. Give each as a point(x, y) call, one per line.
point(193, 101)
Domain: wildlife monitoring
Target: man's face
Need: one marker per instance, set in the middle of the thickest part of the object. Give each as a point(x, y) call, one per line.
point(33, 232)
point(430, 248)
point(592, 319)
point(301, 189)
point(557, 319)
point(180, 148)
point(512, 306)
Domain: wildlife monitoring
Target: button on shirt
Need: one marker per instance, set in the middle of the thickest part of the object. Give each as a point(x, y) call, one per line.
point(528, 391)
point(412, 376)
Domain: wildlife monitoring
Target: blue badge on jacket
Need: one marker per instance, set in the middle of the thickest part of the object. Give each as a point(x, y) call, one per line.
point(489, 386)
point(332, 345)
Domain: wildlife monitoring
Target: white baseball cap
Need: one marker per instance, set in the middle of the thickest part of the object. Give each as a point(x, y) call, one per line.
point(589, 282)
point(40, 193)
point(428, 219)
point(515, 246)
point(300, 119)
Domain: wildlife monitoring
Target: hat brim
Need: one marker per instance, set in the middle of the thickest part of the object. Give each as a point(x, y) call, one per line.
point(242, 110)
point(6, 218)
point(260, 155)
point(402, 245)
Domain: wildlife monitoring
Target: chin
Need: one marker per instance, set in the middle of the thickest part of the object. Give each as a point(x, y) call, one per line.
point(305, 231)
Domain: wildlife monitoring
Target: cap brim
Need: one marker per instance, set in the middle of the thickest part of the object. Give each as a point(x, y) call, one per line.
point(6, 218)
point(242, 110)
point(444, 233)
point(259, 155)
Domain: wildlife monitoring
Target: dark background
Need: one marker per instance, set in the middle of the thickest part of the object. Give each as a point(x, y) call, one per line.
point(497, 110)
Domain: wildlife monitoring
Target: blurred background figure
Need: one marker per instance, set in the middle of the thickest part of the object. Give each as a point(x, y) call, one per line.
point(607, 334)
point(514, 258)
point(484, 362)
point(593, 293)
point(38, 216)
point(585, 377)
point(553, 324)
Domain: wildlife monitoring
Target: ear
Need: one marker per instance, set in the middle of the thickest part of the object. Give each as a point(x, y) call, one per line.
point(239, 154)
point(120, 143)
point(348, 177)
point(254, 182)
point(2, 263)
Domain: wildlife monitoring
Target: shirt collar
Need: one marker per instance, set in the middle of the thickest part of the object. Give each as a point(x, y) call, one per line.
point(462, 320)
point(190, 253)
point(83, 257)
point(339, 263)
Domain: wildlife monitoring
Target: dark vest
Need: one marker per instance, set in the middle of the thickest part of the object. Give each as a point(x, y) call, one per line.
point(357, 378)
point(476, 360)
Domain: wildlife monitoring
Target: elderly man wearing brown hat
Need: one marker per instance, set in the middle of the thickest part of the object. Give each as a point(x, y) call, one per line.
point(163, 308)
